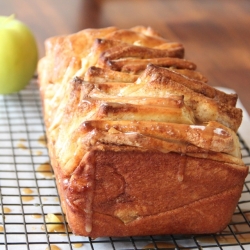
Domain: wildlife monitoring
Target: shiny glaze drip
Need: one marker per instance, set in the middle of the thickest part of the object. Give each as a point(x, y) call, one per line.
point(21, 145)
point(53, 247)
point(181, 168)
point(6, 210)
point(77, 245)
point(27, 198)
point(45, 170)
point(38, 152)
point(36, 216)
point(27, 191)
point(83, 181)
point(42, 140)
point(55, 224)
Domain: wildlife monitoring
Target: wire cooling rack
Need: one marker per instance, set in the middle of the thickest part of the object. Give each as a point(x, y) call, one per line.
point(29, 196)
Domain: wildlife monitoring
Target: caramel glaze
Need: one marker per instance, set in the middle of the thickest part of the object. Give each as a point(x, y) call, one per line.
point(53, 247)
point(45, 170)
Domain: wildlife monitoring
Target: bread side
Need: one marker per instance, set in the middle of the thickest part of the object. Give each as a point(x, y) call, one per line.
point(139, 143)
point(128, 192)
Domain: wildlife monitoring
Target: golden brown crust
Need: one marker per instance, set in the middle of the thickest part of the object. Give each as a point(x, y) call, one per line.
point(130, 191)
point(139, 143)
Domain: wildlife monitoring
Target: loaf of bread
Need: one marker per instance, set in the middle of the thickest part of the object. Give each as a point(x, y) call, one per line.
point(139, 142)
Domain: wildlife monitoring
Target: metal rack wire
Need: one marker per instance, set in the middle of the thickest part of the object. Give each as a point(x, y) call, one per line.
point(28, 193)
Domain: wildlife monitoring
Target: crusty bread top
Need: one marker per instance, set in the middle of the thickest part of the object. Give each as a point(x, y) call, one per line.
point(132, 88)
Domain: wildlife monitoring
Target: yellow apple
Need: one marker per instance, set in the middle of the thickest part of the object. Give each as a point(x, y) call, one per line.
point(18, 55)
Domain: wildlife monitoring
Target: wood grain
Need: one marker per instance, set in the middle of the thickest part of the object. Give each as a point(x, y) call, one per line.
point(216, 34)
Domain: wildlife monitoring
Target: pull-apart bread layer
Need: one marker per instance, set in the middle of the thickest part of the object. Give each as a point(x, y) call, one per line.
point(139, 142)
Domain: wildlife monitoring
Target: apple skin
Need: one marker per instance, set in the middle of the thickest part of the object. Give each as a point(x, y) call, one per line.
point(18, 55)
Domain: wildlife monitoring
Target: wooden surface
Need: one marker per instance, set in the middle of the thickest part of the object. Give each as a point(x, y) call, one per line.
point(216, 34)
